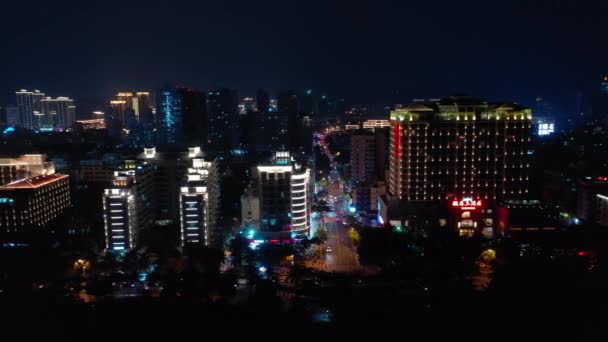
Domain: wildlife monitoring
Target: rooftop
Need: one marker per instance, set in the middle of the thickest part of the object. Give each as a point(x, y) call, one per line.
point(460, 106)
point(33, 183)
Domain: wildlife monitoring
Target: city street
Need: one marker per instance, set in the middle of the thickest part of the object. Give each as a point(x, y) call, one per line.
point(340, 254)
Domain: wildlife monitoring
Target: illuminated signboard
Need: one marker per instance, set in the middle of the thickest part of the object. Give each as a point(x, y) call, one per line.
point(466, 204)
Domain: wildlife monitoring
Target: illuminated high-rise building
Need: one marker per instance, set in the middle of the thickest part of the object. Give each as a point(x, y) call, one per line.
point(126, 96)
point(137, 107)
point(285, 197)
point(459, 147)
point(128, 205)
point(30, 204)
point(30, 107)
point(199, 203)
point(181, 117)
point(171, 169)
point(142, 105)
point(58, 113)
point(127, 112)
point(115, 116)
point(459, 150)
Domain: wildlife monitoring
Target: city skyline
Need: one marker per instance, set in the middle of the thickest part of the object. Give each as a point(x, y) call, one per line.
point(368, 52)
point(313, 169)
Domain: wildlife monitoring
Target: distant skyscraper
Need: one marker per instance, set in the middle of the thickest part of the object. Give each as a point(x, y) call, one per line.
point(59, 113)
point(137, 107)
point(604, 85)
point(288, 102)
point(223, 118)
point(247, 105)
point(307, 104)
point(270, 132)
point(127, 97)
point(12, 115)
point(181, 117)
point(196, 122)
point(299, 132)
point(248, 129)
point(600, 101)
point(169, 115)
point(116, 116)
point(29, 104)
point(143, 107)
point(268, 129)
point(263, 101)
point(130, 116)
point(128, 205)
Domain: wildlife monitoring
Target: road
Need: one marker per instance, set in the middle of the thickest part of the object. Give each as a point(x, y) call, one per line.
point(341, 255)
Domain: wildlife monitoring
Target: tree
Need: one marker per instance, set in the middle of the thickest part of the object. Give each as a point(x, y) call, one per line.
point(238, 247)
point(354, 236)
point(321, 235)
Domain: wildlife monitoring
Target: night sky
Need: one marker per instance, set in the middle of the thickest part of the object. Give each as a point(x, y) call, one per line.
point(362, 50)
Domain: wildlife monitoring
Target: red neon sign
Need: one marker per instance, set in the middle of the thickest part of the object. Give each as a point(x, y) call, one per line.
point(466, 204)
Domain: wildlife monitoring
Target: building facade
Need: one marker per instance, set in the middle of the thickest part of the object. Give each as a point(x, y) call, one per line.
point(602, 208)
point(285, 195)
point(199, 205)
point(459, 149)
point(12, 115)
point(250, 208)
point(367, 195)
point(362, 157)
point(57, 113)
point(30, 106)
point(372, 124)
point(587, 192)
point(128, 206)
point(181, 117)
point(222, 106)
point(525, 216)
point(30, 204)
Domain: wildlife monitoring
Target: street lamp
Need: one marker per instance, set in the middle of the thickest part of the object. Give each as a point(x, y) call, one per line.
point(82, 265)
